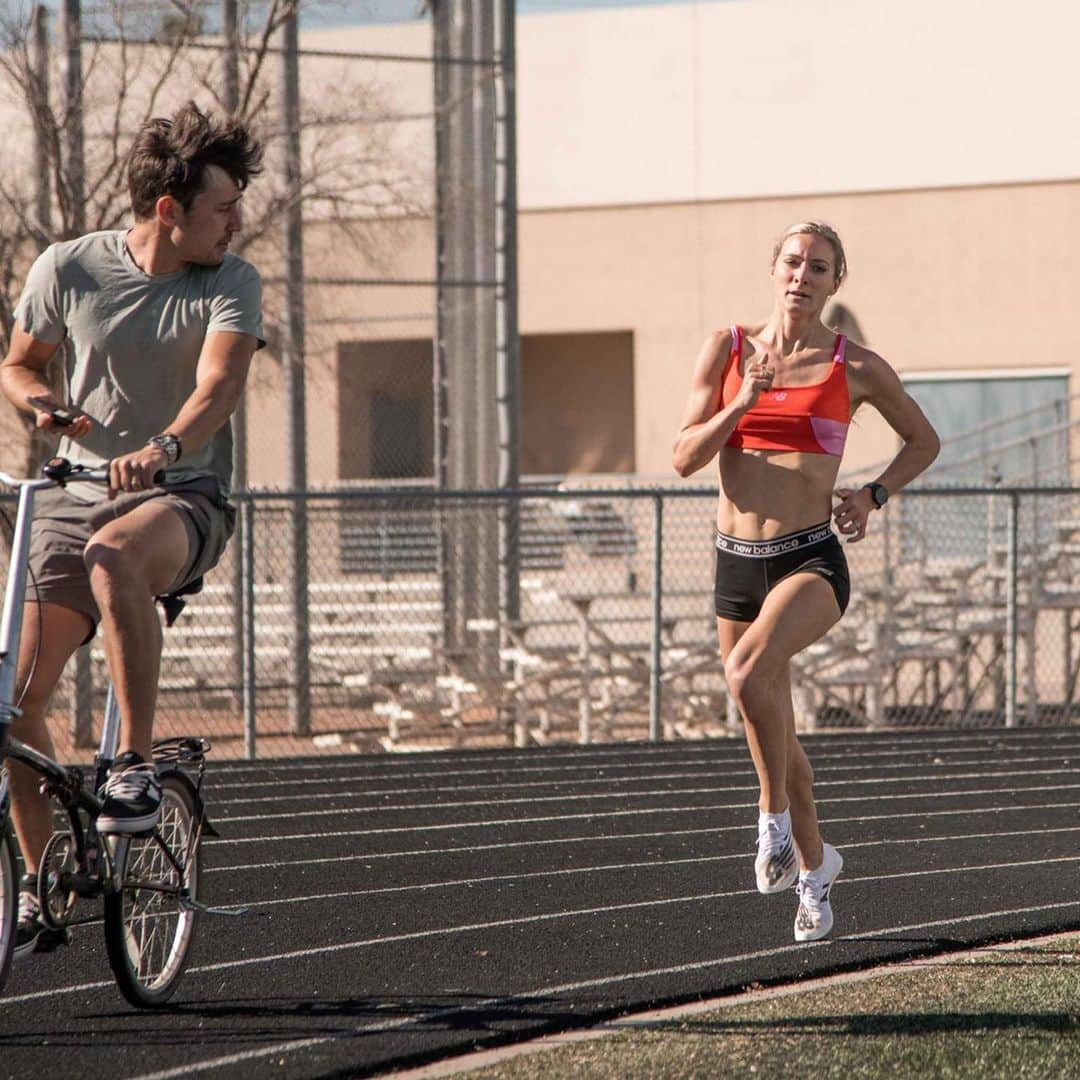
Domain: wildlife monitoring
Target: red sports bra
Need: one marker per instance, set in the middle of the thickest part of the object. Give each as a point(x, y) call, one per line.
point(812, 419)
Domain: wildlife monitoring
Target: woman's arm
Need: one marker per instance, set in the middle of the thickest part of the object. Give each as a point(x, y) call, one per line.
point(875, 382)
point(706, 427)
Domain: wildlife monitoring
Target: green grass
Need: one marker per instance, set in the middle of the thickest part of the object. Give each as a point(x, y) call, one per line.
point(998, 1013)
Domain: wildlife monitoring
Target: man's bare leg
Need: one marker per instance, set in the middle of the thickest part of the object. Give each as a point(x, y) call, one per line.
point(51, 633)
point(131, 560)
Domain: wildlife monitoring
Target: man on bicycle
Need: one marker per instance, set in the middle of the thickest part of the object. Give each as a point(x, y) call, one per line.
point(160, 324)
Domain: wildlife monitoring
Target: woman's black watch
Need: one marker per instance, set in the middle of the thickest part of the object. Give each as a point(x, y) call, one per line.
point(878, 492)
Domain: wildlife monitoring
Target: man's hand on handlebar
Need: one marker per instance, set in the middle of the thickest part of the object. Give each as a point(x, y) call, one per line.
point(137, 471)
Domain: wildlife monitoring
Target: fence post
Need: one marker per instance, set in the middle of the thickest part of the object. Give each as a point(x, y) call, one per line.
point(247, 622)
point(82, 719)
point(657, 616)
point(1011, 629)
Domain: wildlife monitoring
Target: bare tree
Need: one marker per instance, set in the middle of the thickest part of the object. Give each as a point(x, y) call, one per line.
point(142, 58)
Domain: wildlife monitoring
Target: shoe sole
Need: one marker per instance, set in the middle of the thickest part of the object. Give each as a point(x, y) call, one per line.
point(825, 929)
point(127, 826)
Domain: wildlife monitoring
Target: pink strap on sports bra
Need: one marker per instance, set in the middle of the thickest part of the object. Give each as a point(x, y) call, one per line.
point(839, 356)
point(736, 341)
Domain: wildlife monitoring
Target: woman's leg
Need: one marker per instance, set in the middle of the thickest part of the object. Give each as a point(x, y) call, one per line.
point(757, 660)
point(800, 789)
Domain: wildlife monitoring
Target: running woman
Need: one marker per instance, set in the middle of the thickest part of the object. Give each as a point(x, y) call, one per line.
point(772, 402)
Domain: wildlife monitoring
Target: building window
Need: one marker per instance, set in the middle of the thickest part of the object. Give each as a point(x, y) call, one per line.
point(1008, 428)
point(997, 428)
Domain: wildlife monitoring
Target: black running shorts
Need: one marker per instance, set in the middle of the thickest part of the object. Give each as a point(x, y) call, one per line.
point(747, 569)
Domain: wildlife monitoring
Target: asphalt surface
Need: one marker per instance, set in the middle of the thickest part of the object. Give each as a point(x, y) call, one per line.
point(407, 909)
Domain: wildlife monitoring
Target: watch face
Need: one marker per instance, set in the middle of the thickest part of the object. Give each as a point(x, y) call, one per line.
point(879, 493)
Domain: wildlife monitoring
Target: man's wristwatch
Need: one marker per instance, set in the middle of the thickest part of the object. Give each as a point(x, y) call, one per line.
point(878, 492)
point(170, 444)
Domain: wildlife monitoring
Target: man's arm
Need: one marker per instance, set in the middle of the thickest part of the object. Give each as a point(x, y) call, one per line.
point(219, 381)
point(22, 376)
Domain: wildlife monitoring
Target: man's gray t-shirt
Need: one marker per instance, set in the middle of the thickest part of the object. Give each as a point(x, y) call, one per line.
point(135, 341)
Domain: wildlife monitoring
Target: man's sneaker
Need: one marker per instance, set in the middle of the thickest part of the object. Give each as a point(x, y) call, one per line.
point(31, 934)
point(814, 919)
point(777, 865)
point(132, 796)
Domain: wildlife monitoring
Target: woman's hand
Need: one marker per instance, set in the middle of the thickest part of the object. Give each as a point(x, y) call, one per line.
point(757, 378)
point(852, 512)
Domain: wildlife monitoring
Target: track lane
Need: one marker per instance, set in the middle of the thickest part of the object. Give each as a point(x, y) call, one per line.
point(419, 930)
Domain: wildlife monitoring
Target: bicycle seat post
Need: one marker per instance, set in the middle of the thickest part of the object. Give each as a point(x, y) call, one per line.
point(110, 735)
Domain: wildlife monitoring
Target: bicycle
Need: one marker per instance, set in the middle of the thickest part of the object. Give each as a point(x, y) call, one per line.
point(148, 882)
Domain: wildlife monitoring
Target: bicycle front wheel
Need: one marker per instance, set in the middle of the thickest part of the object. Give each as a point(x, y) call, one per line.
point(149, 924)
point(9, 901)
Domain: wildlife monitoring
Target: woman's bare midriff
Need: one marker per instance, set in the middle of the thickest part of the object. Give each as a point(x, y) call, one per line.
point(768, 493)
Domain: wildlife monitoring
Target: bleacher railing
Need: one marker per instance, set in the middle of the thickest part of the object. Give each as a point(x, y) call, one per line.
point(965, 612)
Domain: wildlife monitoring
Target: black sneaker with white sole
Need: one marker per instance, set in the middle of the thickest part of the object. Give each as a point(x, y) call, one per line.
point(31, 933)
point(132, 796)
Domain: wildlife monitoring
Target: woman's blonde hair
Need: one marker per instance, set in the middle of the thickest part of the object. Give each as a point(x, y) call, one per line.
point(826, 232)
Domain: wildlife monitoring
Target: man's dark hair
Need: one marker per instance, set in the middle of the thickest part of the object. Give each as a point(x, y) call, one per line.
point(170, 156)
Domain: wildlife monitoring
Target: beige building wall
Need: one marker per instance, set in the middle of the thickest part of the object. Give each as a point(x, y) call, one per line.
point(733, 99)
point(963, 279)
point(662, 149)
point(954, 279)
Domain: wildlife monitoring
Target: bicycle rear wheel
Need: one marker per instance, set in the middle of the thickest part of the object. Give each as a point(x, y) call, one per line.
point(148, 927)
point(9, 901)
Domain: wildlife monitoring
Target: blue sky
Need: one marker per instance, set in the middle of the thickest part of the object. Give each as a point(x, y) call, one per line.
point(352, 12)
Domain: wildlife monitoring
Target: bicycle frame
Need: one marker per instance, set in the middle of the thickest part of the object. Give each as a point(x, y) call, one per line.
point(11, 629)
point(15, 596)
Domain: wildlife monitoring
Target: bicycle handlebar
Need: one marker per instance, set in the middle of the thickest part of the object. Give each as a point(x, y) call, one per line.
point(61, 471)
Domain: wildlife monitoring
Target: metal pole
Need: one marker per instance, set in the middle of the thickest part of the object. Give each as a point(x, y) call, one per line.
point(441, 38)
point(39, 74)
point(75, 165)
point(82, 713)
point(657, 617)
point(230, 97)
point(247, 621)
point(1011, 629)
point(507, 341)
point(293, 366)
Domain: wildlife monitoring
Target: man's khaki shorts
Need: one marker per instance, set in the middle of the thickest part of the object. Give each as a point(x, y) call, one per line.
point(63, 526)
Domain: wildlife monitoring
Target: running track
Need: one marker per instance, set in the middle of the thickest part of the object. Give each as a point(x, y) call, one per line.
point(410, 908)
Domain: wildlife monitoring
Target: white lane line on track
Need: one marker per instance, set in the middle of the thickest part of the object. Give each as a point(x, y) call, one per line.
point(394, 768)
point(526, 920)
point(981, 738)
point(644, 811)
point(606, 781)
point(652, 864)
point(593, 838)
point(434, 1015)
point(406, 774)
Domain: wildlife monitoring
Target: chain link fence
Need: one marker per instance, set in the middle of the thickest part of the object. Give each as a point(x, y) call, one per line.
point(964, 613)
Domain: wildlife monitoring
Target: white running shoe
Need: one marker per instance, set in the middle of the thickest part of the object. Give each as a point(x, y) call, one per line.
point(776, 865)
point(814, 918)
